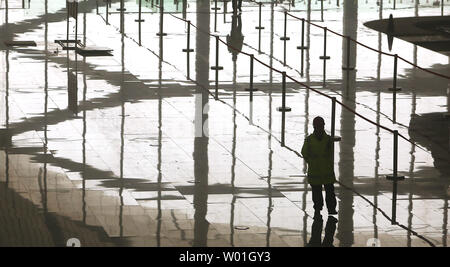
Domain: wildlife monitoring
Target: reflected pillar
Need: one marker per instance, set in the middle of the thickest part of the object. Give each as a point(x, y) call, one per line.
point(43, 184)
point(6, 18)
point(346, 154)
point(122, 125)
point(378, 146)
point(84, 206)
point(159, 165)
point(269, 136)
point(308, 80)
point(233, 159)
point(201, 166)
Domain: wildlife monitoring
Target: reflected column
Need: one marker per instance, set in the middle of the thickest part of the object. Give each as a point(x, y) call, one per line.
point(6, 104)
point(308, 80)
point(44, 189)
point(84, 123)
point(413, 148)
point(5, 132)
point(122, 17)
point(233, 160)
point(269, 136)
point(184, 8)
point(122, 124)
point(159, 166)
point(445, 224)
point(6, 18)
point(201, 166)
point(346, 154)
point(50, 219)
point(378, 146)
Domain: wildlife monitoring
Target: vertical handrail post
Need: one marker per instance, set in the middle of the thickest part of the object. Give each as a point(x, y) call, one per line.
point(251, 88)
point(259, 28)
point(107, 11)
point(161, 21)
point(395, 178)
point(140, 20)
point(217, 68)
point(285, 38)
point(217, 64)
point(394, 90)
point(324, 57)
point(188, 48)
point(334, 138)
point(302, 47)
point(283, 109)
point(321, 10)
point(283, 120)
point(68, 18)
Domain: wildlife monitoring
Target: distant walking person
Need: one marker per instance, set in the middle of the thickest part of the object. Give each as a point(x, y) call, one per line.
point(317, 151)
point(237, 4)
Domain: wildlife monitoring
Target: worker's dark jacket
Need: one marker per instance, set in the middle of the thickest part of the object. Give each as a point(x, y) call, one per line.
point(319, 156)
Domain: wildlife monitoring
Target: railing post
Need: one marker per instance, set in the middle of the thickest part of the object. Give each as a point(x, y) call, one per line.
point(324, 57)
point(333, 122)
point(395, 178)
point(348, 63)
point(394, 90)
point(140, 20)
point(217, 68)
point(215, 8)
point(161, 21)
point(107, 11)
point(122, 9)
point(285, 38)
point(251, 89)
point(76, 30)
point(188, 49)
point(283, 109)
point(259, 28)
point(67, 23)
point(250, 117)
point(321, 10)
point(395, 4)
point(442, 7)
point(302, 48)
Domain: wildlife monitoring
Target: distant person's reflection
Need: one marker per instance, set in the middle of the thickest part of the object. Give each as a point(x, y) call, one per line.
point(235, 39)
point(316, 232)
point(237, 6)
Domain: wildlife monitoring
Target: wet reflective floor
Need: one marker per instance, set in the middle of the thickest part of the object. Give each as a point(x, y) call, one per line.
point(149, 146)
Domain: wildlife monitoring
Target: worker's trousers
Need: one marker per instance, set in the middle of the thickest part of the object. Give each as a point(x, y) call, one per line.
point(318, 198)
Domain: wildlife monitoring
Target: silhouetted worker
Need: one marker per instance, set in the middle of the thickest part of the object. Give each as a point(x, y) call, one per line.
point(235, 39)
point(317, 151)
point(237, 4)
point(316, 233)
